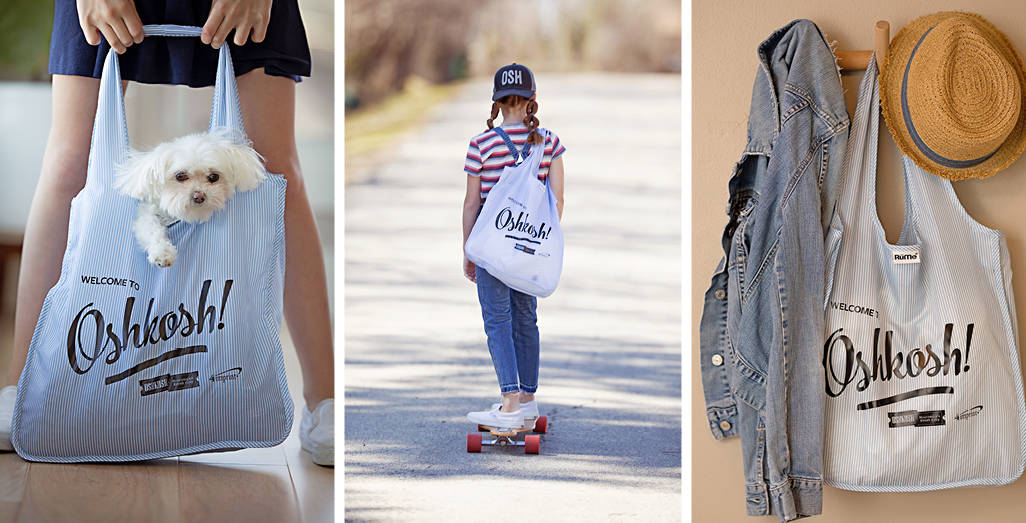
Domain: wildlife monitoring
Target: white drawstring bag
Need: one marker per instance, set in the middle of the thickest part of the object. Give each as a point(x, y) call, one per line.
point(130, 361)
point(517, 237)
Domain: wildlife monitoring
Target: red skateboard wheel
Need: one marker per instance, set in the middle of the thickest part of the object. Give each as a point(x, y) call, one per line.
point(541, 425)
point(473, 442)
point(532, 444)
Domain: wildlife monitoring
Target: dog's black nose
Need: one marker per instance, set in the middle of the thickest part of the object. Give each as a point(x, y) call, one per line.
point(198, 197)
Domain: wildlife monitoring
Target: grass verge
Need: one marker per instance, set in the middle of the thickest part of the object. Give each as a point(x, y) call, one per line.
point(369, 130)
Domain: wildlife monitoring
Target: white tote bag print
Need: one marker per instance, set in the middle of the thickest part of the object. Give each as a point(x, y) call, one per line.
point(517, 237)
point(130, 361)
point(921, 367)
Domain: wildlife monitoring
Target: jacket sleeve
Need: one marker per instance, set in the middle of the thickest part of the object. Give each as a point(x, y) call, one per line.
point(720, 408)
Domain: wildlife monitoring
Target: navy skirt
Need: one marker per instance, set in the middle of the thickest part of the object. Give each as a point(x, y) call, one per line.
point(183, 61)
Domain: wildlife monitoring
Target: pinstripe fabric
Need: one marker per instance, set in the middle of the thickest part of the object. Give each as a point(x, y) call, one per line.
point(924, 389)
point(74, 401)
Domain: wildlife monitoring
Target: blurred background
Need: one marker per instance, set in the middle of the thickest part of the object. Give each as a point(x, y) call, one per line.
point(403, 57)
point(285, 485)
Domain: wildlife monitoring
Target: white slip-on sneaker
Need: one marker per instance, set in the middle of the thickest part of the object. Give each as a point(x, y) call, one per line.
point(497, 418)
point(317, 432)
point(7, 396)
point(530, 409)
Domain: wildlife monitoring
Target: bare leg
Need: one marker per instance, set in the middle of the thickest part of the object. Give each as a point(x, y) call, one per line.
point(62, 176)
point(268, 109)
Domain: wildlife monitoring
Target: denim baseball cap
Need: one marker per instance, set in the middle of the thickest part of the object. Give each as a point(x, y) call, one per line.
point(513, 79)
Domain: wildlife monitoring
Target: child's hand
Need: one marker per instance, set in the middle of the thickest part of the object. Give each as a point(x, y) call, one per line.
point(245, 16)
point(469, 270)
point(117, 20)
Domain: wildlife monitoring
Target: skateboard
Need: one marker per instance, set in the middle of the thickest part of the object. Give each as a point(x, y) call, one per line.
point(506, 436)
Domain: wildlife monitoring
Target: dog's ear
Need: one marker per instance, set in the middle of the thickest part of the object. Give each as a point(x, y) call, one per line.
point(247, 166)
point(139, 175)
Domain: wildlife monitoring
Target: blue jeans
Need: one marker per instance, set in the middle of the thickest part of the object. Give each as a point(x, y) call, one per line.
point(511, 325)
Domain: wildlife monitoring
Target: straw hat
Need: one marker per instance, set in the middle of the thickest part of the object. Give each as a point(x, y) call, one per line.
point(953, 93)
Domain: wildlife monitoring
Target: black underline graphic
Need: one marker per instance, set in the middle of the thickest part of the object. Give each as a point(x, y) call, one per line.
point(904, 396)
point(523, 239)
point(152, 362)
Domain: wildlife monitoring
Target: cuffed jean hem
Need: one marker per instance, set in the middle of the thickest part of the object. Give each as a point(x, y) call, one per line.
point(792, 499)
point(528, 390)
point(506, 389)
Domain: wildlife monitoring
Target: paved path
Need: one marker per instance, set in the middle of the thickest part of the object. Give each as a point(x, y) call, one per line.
point(416, 359)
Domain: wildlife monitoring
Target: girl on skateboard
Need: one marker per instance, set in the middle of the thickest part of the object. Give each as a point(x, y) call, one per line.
point(510, 320)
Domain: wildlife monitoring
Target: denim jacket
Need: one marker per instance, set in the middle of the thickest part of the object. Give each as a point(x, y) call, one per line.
point(762, 323)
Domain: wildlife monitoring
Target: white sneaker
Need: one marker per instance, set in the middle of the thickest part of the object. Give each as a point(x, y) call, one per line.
point(530, 409)
point(317, 432)
point(497, 418)
point(7, 396)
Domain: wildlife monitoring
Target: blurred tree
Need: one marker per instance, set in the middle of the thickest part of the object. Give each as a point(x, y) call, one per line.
point(389, 41)
point(25, 39)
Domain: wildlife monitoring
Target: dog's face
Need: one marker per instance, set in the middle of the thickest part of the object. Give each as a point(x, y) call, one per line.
point(191, 177)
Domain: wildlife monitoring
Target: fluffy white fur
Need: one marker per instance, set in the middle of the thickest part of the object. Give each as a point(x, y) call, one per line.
point(187, 179)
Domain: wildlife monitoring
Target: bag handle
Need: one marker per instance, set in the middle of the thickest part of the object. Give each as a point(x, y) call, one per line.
point(110, 145)
point(518, 155)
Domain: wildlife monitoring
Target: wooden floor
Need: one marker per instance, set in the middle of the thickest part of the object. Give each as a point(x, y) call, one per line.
point(278, 484)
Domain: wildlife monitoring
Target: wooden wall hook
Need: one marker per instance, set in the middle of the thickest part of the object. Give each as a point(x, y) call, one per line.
point(859, 60)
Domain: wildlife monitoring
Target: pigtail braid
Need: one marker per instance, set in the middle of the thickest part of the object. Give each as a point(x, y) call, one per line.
point(531, 121)
point(495, 114)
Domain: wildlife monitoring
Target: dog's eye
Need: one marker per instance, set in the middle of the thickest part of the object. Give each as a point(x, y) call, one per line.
point(181, 176)
point(213, 177)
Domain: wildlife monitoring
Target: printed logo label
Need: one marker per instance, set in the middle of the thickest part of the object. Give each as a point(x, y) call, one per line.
point(908, 257)
point(95, 337)
point(523, 248)
point(169, 382)
point(848, 367)
point(229, 374)
point(857, 309)
point(966, 414)
point(915, 418)
point(521, 223)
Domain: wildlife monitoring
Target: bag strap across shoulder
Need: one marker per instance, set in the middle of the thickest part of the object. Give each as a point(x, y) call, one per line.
point(110, 144)
point(518, 155)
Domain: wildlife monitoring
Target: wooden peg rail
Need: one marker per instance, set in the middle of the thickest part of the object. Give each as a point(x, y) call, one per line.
point(859, 60)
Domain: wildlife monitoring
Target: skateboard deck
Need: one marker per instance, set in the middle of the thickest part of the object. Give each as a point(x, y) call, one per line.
point(507, 436)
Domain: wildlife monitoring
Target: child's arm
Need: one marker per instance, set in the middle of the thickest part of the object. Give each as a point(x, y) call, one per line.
point(471, 203)
point(556, 183)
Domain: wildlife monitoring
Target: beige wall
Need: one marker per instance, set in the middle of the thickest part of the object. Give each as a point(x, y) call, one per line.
point(724, 39)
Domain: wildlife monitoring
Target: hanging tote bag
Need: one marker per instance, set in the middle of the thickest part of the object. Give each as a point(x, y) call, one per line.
point(923, 387)
point(130, 361)
point(517, 237)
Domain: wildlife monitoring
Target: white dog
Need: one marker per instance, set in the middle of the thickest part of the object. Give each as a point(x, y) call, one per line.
point(187, 179)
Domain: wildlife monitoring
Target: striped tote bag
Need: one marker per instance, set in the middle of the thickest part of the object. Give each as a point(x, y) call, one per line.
point(130, 361)
point(921, 367)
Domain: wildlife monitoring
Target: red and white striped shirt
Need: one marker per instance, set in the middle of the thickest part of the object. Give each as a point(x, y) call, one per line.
point(488, 154)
